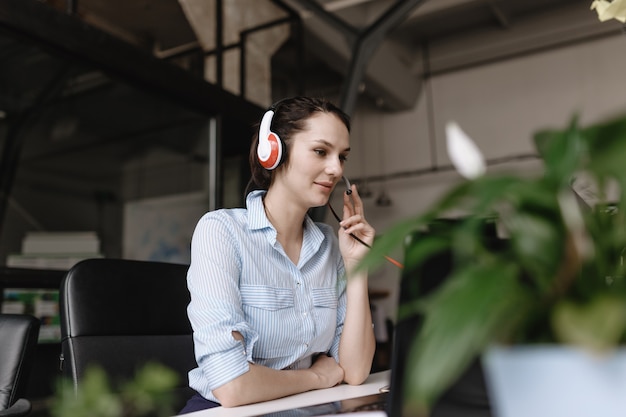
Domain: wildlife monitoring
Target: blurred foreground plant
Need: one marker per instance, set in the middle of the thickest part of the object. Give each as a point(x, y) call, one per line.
point(557, 278)
point(148, 394)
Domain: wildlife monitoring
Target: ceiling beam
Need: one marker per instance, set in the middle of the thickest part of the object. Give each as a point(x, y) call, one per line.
point(555, 28)
point(68, 36)
point(14, 140)
point(361, 59)
point(366, 46)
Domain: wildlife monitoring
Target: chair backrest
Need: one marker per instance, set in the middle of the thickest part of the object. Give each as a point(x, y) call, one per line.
point(120, 314)
point(18, 342)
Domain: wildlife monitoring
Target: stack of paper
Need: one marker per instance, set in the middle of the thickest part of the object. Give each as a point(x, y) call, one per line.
point(55, 250)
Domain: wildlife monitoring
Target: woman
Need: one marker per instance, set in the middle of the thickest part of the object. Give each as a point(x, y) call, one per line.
point(276, 306)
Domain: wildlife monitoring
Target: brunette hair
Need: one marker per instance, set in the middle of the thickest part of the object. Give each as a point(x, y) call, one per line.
point(290, 116)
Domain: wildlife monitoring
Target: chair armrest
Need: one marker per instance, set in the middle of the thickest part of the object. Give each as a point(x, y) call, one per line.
point(20, 408)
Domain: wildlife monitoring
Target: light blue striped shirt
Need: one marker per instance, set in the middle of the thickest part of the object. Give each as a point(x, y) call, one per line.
point(240, 279)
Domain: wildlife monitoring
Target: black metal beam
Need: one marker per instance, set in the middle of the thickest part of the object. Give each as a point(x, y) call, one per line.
point(297, 32)
point(68, 36)
point(14, 140)
point(71, 6)
point(365, 46)
point(363, 43)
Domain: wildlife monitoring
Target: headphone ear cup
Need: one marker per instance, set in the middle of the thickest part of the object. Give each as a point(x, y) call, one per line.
point(270, 147)
point(275, 154)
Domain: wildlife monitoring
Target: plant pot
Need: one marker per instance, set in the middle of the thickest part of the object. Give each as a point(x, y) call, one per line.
point(555, 381)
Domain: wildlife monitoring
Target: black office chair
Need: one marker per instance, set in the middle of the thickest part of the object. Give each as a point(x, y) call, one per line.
point(121, 314)
point(18, 341)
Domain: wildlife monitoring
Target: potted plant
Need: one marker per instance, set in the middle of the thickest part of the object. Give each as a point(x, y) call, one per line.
point(556, 280)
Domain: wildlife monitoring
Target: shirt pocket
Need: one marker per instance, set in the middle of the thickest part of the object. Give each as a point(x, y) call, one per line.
point(270, 312)
point(266, 298)
point(325, 311)
point(324, 297)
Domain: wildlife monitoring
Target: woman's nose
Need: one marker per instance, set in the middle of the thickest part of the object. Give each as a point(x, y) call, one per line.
point(334, 167)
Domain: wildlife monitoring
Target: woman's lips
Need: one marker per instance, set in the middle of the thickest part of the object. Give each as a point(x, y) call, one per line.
point(326, 185)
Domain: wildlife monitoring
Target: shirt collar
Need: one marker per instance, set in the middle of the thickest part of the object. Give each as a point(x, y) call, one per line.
point(256, 212)
point(257, 220)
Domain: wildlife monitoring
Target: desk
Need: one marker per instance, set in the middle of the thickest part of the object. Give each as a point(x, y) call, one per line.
point(341, 392)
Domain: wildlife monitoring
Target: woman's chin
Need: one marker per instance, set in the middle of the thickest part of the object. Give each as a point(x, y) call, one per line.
point(320, 202)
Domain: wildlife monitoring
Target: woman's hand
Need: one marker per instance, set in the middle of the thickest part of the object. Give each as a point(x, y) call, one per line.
point(328, 371)
point(354, 223)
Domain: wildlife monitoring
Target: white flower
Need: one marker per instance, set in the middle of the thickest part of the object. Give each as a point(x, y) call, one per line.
point(463, 152)
point(606, 10)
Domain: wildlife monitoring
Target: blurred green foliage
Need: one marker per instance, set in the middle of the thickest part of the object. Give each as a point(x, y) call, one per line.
point(149, 394)
point(558, 278)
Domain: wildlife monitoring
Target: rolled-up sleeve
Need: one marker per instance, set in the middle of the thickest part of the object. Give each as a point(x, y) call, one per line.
point(215, 310)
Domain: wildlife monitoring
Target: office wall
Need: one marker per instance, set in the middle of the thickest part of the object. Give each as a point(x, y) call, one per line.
point(499, 105)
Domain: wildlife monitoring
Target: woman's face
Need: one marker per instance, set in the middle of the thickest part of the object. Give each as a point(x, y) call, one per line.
point(316, 159)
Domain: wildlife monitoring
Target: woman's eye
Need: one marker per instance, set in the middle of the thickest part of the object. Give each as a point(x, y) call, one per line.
point(343, 158)
point(320, 152)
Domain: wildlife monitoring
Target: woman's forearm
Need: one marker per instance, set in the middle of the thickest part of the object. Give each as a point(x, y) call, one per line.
point(261, 383)
point(357, 344)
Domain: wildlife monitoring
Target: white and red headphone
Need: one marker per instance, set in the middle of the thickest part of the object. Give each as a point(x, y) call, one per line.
point(270, 147)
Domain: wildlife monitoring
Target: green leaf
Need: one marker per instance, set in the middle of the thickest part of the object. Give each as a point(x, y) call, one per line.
point(422, 247)
point(538, 245)
point(607, 147)
point(487, 192)
point(563, 152)
point(94, 397)
point(398, 234)
point(597, 325)
point(151, 391)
